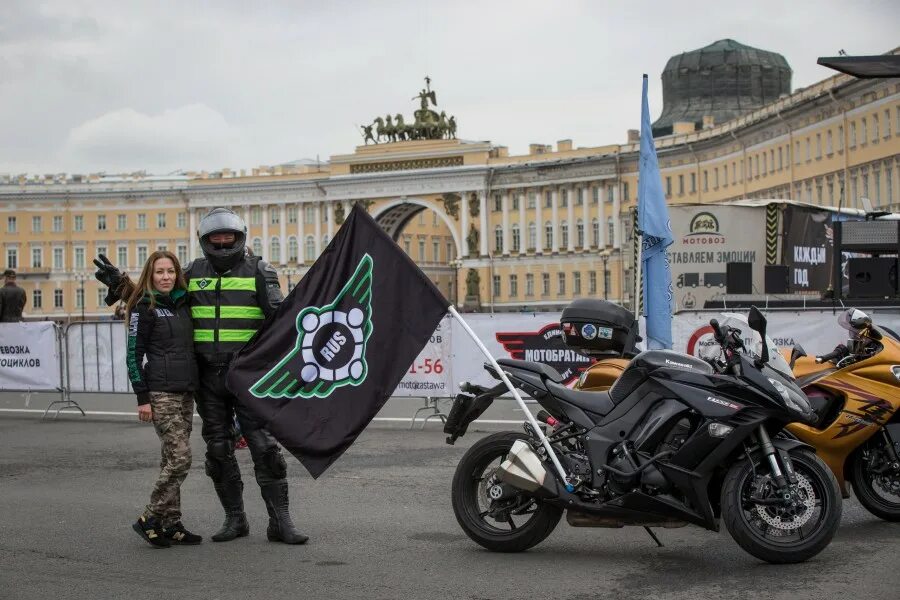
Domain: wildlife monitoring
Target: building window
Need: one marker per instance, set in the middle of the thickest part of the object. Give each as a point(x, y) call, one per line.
point(513, 286)
point(275, 250)
point(548, 235)
point(764, 164)
point(828, 143)
point(79, 298)
point(532, 236)
point(529, 284)
point(545, 284)
point(57, 224)
point(863, 130)
point(12, 258)
point(57, 298)
point(724, 175)
point(435, 251)
point(564, 198)
point(611, 231)
point(293, 248)
point(37, 299)
point(181, 220)
point(274, 215)
point(421, 251)
point(596, 198)
point(181, 253)
point(610, 191)
point(668, 187)
point(532, 200)
point(58, 259)
point(797, 152)
point(101, 222)
point(576, 283)
point(592, 282)
point(141, 222)
point(100, 250)
point(309, 215)
point(681, 185)
point(875, 130)
point(122, 256)
point(564, 234)
point(693, 183)
point(705, 180)
point(887, 123)
point(498, 240)
point(141, 256)
point(516, 238)
point(36, 224)
point(595, 232)
point(78, 224)
point(292, 215)
point(561, 284)
point(579, 197)
point(548, 199)
point(162, 247)
point(256, 247)
point(451, 254)
point(498, 203)
point(79, 259)
point(579, 233)
point(160, 220)
point(121, 222)
point(852, 143)
point(37, 257)
point(496, 286)
point(309, 249)
point(780, 158)
point(625, 191)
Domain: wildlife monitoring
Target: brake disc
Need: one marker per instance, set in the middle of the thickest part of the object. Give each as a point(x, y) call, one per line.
point(783, 521)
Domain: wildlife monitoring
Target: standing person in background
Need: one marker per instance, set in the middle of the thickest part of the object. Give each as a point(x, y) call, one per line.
point(231, 294)
point(12, 299)
point(160, 329)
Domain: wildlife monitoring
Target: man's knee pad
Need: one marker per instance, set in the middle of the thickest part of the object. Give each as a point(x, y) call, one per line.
point(272, 464)
point(220, 461)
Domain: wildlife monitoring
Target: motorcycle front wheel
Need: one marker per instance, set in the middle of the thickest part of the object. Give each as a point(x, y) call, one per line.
point(775, 529)
point(876, 480)
point(512, 523)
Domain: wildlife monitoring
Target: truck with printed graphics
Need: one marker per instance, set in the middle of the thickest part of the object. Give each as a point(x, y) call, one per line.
point(694, 280)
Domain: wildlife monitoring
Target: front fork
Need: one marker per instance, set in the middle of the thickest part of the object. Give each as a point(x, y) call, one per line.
point(783, 477)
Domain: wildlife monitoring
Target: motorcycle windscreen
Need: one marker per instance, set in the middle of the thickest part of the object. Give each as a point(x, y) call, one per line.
point(753, 342)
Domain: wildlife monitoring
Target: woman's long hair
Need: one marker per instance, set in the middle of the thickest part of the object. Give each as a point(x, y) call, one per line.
point(144, 286)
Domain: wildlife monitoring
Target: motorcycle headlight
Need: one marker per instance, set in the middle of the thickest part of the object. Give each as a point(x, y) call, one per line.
point(792, 401)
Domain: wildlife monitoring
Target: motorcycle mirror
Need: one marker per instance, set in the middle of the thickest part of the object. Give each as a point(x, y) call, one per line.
point(796, 352)
point(757, 323)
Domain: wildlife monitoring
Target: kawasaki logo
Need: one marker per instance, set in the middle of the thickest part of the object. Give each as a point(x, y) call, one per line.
point(330, 350)
point(678, 364)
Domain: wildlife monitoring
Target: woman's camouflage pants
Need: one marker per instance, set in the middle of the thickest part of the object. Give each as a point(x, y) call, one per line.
point(172, 418)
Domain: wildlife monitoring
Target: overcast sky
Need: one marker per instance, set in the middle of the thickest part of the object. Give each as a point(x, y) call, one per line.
point(160, 86)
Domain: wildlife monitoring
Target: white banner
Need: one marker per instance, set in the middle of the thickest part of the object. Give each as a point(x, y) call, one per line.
point(431, 373)
point(95, 357)
point(29, 356)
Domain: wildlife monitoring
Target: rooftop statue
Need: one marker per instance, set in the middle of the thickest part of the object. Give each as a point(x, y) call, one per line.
point(427, 124)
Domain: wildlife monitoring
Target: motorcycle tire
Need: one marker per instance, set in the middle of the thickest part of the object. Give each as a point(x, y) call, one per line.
point(734, 505)
point(469, 515)
point(862, 486)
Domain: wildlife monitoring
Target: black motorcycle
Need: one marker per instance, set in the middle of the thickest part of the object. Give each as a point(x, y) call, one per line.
point(675, 441)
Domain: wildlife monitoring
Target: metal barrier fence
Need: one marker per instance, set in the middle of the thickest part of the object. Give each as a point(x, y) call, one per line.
point(25, 349)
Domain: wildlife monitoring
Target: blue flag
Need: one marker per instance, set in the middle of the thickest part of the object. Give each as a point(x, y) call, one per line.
point(656, 235)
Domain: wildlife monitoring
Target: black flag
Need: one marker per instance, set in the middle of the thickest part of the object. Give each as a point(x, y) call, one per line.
point(324, 364)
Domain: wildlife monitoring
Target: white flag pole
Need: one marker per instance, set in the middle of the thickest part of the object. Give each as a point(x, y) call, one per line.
point(534, 424)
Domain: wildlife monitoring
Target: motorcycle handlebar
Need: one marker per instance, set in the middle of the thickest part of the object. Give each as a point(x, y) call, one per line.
point(717, 331)
point(838, 352)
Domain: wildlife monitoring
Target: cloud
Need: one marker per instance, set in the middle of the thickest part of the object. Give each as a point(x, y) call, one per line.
point(191, 136)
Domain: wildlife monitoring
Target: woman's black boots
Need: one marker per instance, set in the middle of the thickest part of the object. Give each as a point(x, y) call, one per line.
point(281, 528)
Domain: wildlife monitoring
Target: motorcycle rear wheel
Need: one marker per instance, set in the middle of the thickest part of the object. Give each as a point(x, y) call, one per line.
point(862, 479)
point(484, 522)
point(765, 530)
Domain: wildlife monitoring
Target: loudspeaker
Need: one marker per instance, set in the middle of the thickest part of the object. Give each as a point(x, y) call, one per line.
point(739, 278)
point(776, 279)
point(872, 277)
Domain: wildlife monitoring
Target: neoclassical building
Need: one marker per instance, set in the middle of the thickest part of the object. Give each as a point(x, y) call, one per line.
point(494, 231)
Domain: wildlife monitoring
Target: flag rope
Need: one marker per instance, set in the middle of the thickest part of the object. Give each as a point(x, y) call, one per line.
point(515, 393)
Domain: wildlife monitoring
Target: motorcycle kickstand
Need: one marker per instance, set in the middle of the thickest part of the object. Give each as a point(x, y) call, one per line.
point(653, 535)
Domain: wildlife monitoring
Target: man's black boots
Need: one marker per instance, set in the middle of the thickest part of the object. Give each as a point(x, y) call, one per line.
point(231, 496)
point(281, 528)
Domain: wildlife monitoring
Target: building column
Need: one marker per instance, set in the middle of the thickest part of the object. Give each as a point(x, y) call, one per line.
point(317, 228)
point(301, 241)
point(617, 218)
point(507, 246)
point(539, 221)
point(570, 217)
point(523, 231)
point(483, 221)
point(601, 216)
point(330, 208)
point(464, 223)
point(266, 248)
point(588, 192)
point(282, 220)
point(194, 242)
point(554, 217)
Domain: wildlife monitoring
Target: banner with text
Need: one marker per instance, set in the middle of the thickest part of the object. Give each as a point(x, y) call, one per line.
point(807, 248)
point(29, 356)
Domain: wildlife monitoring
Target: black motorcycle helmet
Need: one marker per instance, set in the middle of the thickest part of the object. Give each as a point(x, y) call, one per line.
point(222, 220)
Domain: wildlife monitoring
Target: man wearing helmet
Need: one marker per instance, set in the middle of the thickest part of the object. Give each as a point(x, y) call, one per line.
point(231, 294)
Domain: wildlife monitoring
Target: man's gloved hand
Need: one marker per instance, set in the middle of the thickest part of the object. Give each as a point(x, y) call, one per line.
point(107, 273)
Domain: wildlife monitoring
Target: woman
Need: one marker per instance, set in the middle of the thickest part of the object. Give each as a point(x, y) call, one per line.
point(160, 329)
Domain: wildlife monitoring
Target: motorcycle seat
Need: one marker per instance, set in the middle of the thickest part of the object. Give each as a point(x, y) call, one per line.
point(598, 403)
point(533, 367)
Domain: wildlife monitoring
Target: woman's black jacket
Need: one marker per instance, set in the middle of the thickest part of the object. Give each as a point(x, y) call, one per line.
point(164, 334)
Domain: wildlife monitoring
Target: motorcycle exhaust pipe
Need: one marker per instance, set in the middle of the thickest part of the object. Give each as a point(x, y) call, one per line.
point(523, 469)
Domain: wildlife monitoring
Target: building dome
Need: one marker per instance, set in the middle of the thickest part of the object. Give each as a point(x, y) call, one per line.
point(723, 80)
